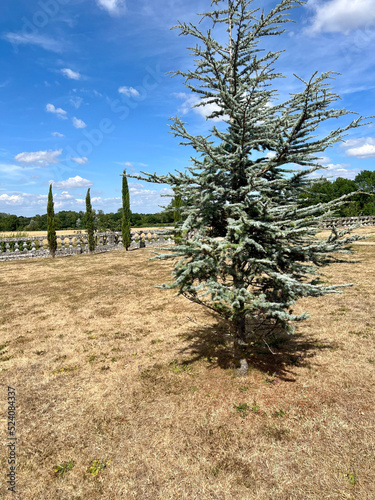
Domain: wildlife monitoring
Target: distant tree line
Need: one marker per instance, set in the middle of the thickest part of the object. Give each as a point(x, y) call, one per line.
point(321, 191)
point(69, 219)
point(360, 204)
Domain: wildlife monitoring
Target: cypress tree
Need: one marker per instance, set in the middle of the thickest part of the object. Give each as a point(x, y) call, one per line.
point(125, 222)
point(90, 222)
point(51, 231)
point(177, 204)
point(251, 248)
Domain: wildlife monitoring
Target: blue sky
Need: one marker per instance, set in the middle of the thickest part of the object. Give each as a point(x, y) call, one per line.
point(84, 94)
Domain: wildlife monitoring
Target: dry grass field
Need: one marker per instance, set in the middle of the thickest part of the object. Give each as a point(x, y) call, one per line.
point(129, 389)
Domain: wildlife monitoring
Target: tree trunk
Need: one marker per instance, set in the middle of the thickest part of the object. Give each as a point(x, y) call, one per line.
point(240, 349)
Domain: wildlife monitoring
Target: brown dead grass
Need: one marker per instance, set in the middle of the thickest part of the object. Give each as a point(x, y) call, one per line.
point(108, 367)
point(368, 231)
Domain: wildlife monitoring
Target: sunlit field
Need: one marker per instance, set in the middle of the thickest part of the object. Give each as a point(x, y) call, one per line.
point(369, 231)
point(127, 391)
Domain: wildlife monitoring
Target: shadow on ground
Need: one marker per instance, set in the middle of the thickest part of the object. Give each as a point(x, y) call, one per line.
point(276, 357)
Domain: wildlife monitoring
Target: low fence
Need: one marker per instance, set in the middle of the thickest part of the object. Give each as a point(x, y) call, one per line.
point(350, 221)
point(72, 244)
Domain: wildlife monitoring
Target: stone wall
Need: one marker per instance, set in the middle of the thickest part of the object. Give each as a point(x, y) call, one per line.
point(350, 221)
point(73, 244)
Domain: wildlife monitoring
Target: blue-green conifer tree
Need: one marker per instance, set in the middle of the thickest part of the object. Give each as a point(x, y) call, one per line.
point(250, 249)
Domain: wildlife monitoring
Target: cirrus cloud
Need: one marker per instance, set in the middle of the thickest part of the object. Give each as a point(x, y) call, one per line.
point(43, 41)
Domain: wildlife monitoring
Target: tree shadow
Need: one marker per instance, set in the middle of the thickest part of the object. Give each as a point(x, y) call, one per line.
point(276, 357)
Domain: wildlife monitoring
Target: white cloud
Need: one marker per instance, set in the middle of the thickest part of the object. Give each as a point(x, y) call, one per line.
point(207, 110)
point(334, 170)
point(337, 167)
point(129, 91)
point(323, 160)
point(30, 204)
point(148, 200)
point(189, 103)
point(72, 183)
point(128, 164)
point(63, 200)
point(45, 42)
point(66, 201)
point(360, 148)
point(342, 16)
point(24, 202)
point(78, 123)
point(141, 199)
point(13, 199)
point(69, 73)
point(61, 113)
point(41, 158)
point(113, 7)
point(81, 161)
point(109, 204)
point(270, 155)
point(365, 151)
point(76, 102)
point(57, 134)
